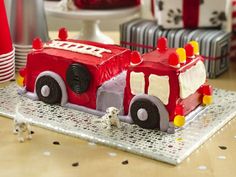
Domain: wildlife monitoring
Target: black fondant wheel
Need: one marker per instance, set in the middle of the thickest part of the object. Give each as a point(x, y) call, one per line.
point(48, 90)
point(78, 78)
point(145, 114)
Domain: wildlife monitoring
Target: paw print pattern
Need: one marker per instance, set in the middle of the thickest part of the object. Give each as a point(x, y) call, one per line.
point(218, 18)
point(160, 4)
point(174, 16)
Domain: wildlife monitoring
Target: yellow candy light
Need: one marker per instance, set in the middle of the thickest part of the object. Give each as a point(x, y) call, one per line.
point(195, 47)
point(182, 55)
point(179, 121)
point(206, 100)
point(19, 80)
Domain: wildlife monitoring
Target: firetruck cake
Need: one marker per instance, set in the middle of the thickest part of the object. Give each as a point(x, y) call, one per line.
point(155, 91)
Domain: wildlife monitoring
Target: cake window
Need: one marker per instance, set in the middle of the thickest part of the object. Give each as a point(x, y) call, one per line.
point(137, 83)
point(192, 79)
point(159, 87)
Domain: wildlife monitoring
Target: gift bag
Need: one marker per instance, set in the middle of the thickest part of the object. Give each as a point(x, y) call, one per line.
point(191, 13)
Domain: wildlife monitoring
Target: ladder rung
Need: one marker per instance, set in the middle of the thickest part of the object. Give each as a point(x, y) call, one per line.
point(77, 47)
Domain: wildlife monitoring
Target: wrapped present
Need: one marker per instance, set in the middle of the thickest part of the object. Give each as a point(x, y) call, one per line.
point(105, 4)
point(191, 13)
point(142, 35)
point(234, 16)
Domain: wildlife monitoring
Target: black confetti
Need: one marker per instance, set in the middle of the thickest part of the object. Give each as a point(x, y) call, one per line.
point(126, 162)
point(223, 147)
point(56, 143)
point(76, 164)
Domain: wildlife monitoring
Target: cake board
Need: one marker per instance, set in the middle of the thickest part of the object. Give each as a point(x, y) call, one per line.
point(169, 148)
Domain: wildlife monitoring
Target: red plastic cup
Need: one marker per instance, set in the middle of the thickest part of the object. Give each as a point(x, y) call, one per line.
point(5, 36)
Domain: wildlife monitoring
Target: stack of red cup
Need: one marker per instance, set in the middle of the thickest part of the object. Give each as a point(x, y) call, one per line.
point(7, 53)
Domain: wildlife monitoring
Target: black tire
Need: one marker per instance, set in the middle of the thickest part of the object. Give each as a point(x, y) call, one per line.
point(78, 78)
point(55, 90)
point(153, 119)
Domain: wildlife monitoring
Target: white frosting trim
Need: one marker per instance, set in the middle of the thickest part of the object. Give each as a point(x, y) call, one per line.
point(137, 83)
point(77, 47)
point(192, 79)
point(159, 87)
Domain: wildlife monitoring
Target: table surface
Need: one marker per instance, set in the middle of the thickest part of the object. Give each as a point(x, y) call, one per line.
point(40, 157)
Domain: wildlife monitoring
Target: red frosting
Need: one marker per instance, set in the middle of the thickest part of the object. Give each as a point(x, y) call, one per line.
point(5, 37)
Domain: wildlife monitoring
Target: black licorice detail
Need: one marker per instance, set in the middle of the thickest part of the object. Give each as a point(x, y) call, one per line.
point(78, 78)
point(153, 120)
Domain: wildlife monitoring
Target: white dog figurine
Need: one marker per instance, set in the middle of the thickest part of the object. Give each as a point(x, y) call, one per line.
point(21, 127)
point(111, 117)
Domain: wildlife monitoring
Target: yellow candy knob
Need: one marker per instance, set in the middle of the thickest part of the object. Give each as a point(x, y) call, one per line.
point(207, 99)
point(182, 55)
point(195, 47)
point(179, 121)
point(19, 80)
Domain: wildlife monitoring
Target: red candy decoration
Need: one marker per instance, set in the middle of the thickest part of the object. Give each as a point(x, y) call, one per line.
point(136, 58)
point(162, 44)
point(207, 90)
point(63, 34)
point(173, 59)
point(179, 110)
point(22, 72)
point(37, 44)
point(189, 50)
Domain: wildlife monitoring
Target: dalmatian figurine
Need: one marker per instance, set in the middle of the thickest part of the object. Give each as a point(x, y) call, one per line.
point(111, 117)
point(66, 5)
point(21, 127)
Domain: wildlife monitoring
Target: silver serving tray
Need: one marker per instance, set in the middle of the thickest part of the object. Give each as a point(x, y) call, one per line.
point(170, 148)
